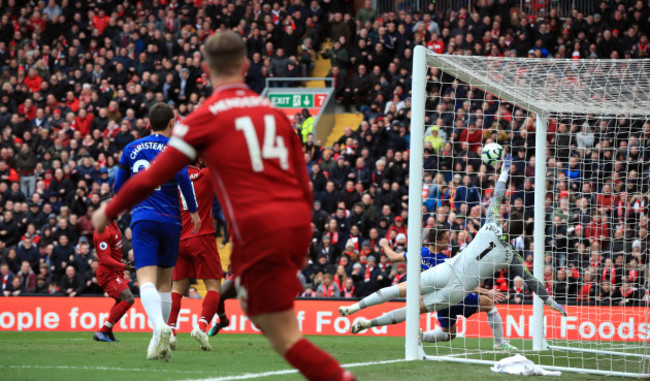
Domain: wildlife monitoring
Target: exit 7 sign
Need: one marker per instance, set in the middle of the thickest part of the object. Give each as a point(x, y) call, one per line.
point(298, 100)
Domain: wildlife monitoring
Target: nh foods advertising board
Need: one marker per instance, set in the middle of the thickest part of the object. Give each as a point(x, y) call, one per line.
point(317, 317)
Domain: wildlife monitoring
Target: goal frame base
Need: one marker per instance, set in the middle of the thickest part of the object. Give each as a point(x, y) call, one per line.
point(464, 360)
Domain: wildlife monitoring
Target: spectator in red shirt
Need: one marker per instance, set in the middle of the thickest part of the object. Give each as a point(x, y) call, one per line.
point(398, 227)
point(33, 81)
point(598, 230)
point(606, 199)
point(27, 109)
point(83, 122)
point(473, 136)
point(8, 175)
point(436, 44)
point(100, 21)
point(71, 102)
point(587, 291)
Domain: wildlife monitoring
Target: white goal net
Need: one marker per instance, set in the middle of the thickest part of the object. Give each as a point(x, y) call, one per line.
point(579, 135)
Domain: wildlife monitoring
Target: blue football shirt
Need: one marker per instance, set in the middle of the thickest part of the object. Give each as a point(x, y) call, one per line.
point(163, 204)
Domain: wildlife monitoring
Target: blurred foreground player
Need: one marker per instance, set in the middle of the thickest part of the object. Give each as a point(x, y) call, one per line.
point(198, 258)
point(256, 163)
point(110, 276)
point(156, 226)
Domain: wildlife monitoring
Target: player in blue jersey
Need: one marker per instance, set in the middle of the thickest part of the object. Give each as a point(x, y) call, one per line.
point(481, 300)
point(156, 226)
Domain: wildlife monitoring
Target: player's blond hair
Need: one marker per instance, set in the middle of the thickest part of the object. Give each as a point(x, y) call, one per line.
point(225, 53)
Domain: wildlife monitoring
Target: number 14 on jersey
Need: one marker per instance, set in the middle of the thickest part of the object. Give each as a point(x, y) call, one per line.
point(273, 148)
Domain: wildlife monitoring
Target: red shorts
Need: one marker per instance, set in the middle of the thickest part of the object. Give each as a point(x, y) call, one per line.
point(271, 283)
point(198, 257)
point(114, 285)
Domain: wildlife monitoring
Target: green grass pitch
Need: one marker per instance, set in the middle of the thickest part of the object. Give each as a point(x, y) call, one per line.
point(74, 356)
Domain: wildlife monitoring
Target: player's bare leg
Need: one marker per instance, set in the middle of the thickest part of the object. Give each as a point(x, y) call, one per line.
point(150, 298)
point(228, 291)
point(486, 304)
point(281, 329)
point(120, 308)
point(392, 317)
point(208, 309)
point(381, 296)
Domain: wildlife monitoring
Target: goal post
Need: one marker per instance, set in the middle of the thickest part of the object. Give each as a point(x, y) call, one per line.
point(416, 164)
point(564, 104)
point(539, 228)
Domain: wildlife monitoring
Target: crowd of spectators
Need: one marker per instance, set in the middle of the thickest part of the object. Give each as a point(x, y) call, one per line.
point(77, 79)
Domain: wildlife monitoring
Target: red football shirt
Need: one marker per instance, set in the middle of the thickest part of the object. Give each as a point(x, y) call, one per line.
point(108, 246)
point(255, 160)
point(204, 198)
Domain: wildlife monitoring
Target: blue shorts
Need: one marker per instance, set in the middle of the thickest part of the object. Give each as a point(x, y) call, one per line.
point(468, 307)
point(155, 244)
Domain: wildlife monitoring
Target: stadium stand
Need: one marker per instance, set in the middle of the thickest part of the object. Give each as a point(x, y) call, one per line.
point(77, 79)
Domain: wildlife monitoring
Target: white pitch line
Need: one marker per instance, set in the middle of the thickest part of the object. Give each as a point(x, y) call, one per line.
point(248, 376)
point(95, 368)
point(52, 339)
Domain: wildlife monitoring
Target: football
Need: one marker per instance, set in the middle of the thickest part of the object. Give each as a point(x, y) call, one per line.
point(492, 153)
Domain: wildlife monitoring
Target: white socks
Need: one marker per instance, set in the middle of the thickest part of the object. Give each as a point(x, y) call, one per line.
point(392, 317)
point(435, 336)
point(151, 302)
point(166, 304)
point(379, 297)
point(494, 319)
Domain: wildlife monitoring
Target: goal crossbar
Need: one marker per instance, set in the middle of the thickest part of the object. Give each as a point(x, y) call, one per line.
point(620, 85)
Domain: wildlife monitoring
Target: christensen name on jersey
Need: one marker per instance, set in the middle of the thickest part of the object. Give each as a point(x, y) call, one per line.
point(147, 145)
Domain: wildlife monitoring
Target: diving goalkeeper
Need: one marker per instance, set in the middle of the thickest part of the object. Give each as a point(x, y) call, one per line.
point(448, 283)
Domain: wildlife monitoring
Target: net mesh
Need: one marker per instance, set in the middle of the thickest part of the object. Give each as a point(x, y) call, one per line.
point(558, 86)
point(596, 206)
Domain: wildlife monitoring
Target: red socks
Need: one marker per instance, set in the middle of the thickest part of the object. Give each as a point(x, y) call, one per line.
point(209, 308)
point(116, 313)
point(210, 304)
point(176, 308)
point(314, 363)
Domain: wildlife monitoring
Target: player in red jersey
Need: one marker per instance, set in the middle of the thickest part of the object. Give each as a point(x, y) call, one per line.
point(110, 275)
point(256, 164)
point(198, 258)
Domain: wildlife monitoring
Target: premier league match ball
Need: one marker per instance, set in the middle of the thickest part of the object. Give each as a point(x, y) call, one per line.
point(491, 153)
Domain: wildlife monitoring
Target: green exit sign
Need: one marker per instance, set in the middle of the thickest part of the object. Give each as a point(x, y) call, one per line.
point(292, 100)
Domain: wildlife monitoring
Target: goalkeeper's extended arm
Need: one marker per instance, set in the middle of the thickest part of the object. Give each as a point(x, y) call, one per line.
point(494, 210)
point(517, 268)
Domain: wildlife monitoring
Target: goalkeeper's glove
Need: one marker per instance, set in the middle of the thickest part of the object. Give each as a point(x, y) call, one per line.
point(507, 163)
point(505, 168)
point(556, 306)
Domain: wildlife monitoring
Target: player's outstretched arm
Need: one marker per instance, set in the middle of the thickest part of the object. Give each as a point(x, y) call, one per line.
point(493, 213)
point(390, 253)
point(166, 165)
point(517, 268)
